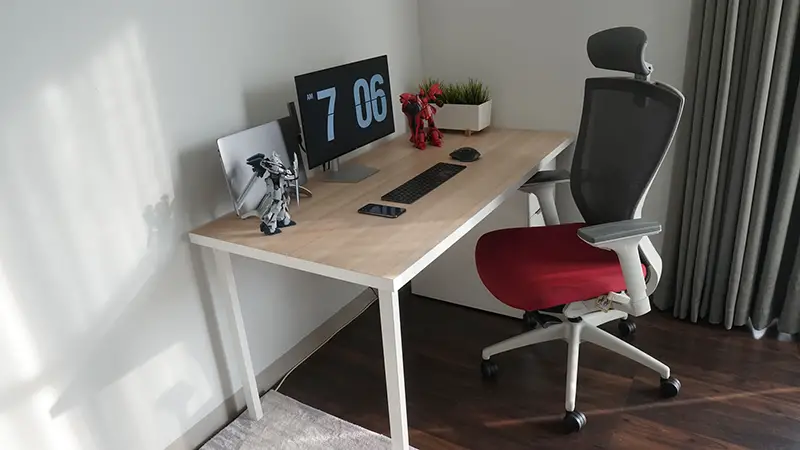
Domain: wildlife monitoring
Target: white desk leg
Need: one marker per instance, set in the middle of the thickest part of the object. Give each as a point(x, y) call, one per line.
point(240, 346)
point(393, 365)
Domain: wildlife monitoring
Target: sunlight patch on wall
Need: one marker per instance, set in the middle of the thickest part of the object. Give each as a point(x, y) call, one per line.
point(9, 435)
point(29, 425)
point(108, 160)
point(16, 341)
point(87, 225)
point(59, 433)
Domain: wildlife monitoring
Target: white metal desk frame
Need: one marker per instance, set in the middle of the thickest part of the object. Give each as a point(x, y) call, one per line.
point(388, 303)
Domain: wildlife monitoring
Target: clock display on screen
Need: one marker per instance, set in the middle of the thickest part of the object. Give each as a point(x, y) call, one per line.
point(344, 108)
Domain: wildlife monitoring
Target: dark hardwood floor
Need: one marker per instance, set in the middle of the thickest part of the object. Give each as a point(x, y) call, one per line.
point(737, 392)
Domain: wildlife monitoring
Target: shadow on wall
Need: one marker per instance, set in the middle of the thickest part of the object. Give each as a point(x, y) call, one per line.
point(201, 185)
point(93, 267)
point(266, 104)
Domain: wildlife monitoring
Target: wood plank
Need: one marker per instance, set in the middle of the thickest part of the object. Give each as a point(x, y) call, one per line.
point(636, 432)
point(331, 233)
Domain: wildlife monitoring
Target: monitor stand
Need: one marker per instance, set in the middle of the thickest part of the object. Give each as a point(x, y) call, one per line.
point(348, 172)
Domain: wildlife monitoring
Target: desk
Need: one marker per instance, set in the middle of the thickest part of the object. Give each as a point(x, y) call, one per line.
point(333, 240)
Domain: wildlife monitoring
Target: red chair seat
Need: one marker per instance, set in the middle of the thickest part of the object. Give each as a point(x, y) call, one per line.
point(541, 267)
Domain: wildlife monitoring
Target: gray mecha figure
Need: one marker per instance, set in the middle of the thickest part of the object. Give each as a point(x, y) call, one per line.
point(275, 204)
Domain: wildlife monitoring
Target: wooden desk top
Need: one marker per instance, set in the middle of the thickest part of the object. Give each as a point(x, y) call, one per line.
point(333, 240)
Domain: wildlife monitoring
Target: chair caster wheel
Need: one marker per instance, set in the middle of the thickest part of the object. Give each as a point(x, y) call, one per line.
point(489, 369)
point(529, 320)
point(670, 387)
point(574, 421)
point(626, 328)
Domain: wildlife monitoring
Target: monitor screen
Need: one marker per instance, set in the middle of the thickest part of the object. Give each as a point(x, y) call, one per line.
point(344, 108)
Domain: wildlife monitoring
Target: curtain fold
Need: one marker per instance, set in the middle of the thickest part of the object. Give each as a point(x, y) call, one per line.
point(736, 257)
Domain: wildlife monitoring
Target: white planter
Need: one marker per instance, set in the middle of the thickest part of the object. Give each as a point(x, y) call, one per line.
point(464, 117)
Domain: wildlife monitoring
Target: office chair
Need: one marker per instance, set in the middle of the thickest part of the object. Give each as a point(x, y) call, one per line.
point(572, 278)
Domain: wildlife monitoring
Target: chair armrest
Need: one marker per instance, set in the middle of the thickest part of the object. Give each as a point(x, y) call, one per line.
point(548, 176)
point(543, 185)
point(615, 231)
point(624, 238)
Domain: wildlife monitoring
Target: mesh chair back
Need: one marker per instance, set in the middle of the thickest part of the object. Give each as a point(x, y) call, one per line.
point(627, 126)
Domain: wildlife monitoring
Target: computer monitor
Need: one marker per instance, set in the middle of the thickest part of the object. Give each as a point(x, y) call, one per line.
point(344, 108)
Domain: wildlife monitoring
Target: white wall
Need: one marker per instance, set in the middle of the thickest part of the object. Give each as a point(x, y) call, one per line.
point(532, 54)
point(109, 112)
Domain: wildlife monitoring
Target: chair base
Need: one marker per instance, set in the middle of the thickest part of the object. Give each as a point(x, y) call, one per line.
point(575, 331)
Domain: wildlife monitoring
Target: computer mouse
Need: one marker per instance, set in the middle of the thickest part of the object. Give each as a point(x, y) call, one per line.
point(466, 154)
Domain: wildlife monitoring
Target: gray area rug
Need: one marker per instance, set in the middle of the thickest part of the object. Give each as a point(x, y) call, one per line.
point(289, 424)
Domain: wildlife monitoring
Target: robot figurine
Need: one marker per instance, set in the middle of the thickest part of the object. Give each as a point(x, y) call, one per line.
point(418, 109)
point(275, 204)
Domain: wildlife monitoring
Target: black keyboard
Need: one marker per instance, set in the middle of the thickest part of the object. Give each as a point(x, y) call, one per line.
point(413, 189)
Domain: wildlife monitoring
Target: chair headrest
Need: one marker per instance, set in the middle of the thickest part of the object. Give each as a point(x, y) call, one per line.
point(620, 48)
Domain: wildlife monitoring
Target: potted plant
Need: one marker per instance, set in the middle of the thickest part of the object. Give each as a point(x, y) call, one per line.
point(466, 106)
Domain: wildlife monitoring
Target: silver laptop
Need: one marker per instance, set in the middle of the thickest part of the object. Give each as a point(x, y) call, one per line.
point(246, 191)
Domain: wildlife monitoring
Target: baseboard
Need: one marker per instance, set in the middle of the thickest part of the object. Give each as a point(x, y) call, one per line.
point(224, 414)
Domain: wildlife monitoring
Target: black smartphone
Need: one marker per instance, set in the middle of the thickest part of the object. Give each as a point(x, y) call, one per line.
point(373, 209)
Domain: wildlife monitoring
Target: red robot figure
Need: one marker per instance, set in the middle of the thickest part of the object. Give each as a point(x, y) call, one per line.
point(418, 109)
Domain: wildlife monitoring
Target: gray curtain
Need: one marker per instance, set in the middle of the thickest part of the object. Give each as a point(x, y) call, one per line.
point(736, 218)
